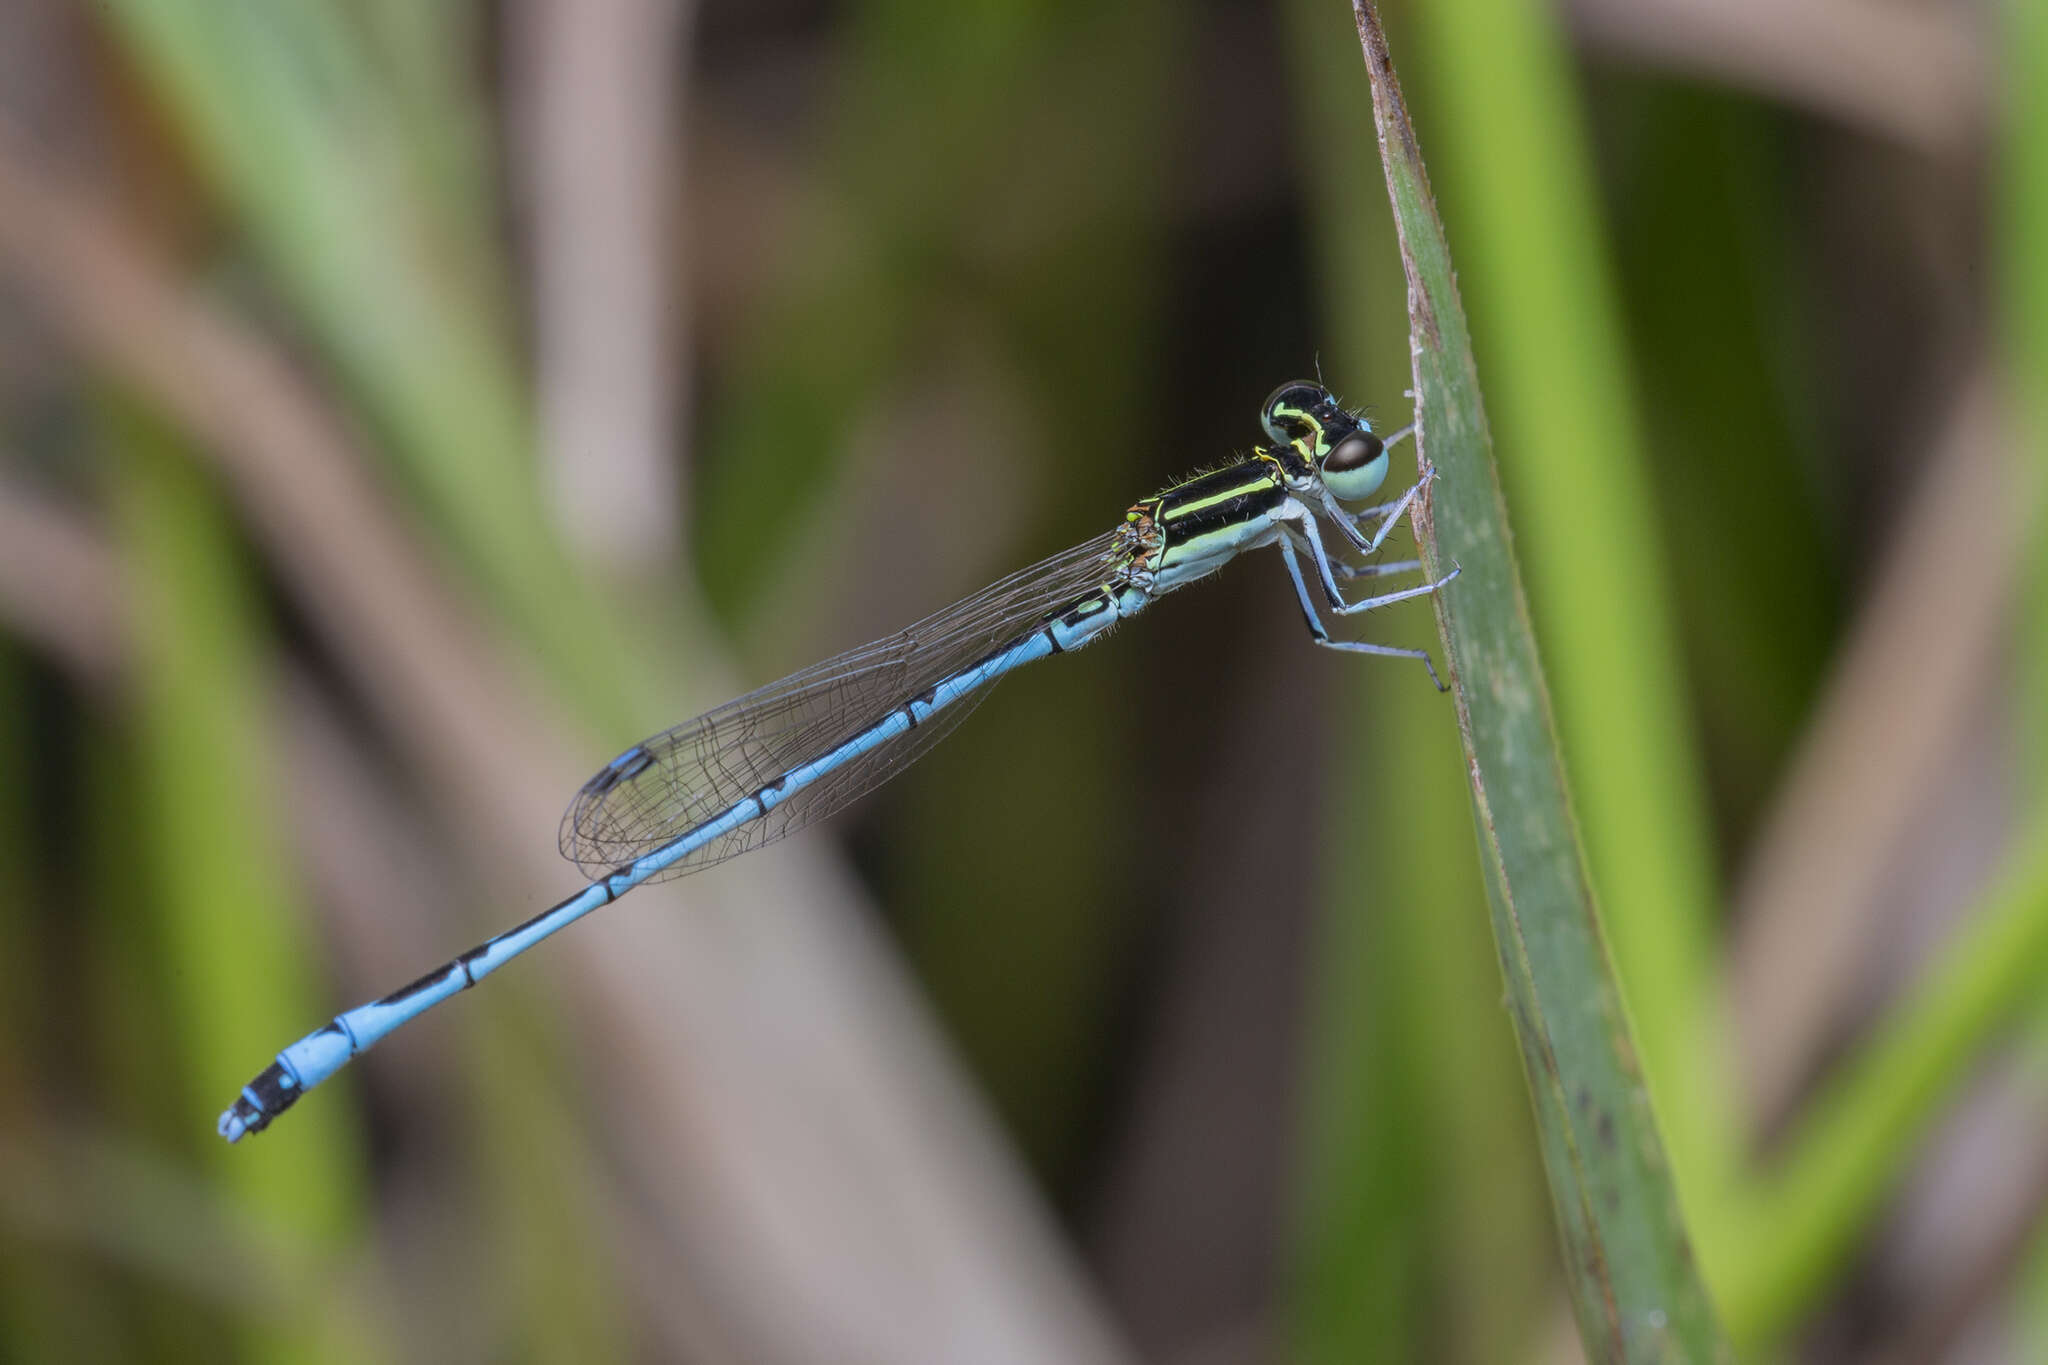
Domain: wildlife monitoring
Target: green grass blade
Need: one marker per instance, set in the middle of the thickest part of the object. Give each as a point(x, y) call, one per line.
point(1635, 1288)
point(292, 114)
point(1515, 169)
point(1863, 1130)
point(1423, 1228)
point(1703, 247)
point(239, 969)
point(1858, 1138)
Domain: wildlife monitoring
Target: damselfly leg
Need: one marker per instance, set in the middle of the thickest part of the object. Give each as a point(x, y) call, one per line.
point(1349, 522)
point(1350, 571)
point(1321, 635)
point(1307, 529)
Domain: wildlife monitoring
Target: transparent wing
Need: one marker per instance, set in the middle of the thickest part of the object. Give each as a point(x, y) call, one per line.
point(667, 785)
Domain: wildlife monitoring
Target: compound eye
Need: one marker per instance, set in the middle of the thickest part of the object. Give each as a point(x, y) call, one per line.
point(1355, 467)
point(1297, 410)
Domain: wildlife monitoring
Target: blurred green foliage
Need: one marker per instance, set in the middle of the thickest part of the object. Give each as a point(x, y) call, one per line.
point(1019, 264)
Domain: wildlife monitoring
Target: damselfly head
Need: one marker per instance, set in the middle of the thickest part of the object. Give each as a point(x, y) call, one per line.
point(1348, 458)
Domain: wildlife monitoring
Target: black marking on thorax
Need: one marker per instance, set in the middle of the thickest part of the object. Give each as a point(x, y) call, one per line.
point(1220, 500)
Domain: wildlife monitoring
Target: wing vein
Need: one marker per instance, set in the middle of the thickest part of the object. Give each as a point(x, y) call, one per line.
point(701, 768)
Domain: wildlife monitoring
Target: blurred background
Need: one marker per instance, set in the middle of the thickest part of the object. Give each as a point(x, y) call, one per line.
point(404, 407)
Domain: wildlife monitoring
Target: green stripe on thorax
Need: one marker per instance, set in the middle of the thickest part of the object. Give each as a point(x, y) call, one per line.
point(1211, 516)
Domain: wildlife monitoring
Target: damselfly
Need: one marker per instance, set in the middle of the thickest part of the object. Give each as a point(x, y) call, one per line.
point(794, 752)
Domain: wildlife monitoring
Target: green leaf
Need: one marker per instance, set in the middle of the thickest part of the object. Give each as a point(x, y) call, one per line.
point(1518, 183)
point(1423, 1227)
point(1635, 1287)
